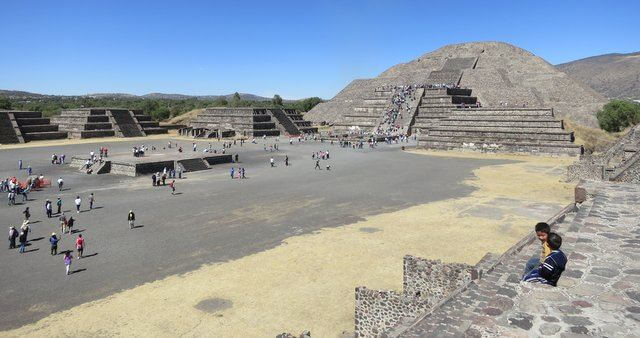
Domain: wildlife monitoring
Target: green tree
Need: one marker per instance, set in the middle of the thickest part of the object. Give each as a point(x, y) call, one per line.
point(277, 100)
point(235, 100)
point(5, 103)
point(309, 103)
point(618, 114)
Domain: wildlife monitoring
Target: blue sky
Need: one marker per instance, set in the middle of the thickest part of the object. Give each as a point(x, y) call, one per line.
point(293, 48)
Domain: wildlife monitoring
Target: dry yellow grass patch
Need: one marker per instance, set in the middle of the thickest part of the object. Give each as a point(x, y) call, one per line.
point(186, 117)
point(593, 139)
point(308, 281)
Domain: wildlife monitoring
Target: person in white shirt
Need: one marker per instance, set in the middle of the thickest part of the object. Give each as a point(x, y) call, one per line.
point(78, 203)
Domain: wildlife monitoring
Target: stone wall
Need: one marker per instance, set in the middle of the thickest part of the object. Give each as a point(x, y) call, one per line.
point(425, 283)
point(432, 280)
point(126, 169)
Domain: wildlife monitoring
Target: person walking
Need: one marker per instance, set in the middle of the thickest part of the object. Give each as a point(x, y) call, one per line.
point(131, 218)
point(153, 180)
point(172, 185)
point(59, 205)
point(26, 213)
point(54, 244)
point(67, 261)
point(286, 160)
point(317, 165)
point(80, 245)
point(29, 170)
point(23, 241)
point(78, 203)
point(13, 234)
point(232, 172)
point(91, 200)
point(60, 183)
point(70, 223)
point(48, 208)
point(19, 164)
point(63, 223)
point(272, 162)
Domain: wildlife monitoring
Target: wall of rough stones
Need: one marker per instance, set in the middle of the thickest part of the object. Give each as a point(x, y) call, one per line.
point(425, 283)
point(378, 311)
point(432, 280)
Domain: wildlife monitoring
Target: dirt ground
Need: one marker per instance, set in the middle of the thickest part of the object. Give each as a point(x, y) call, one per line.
point(307, 283)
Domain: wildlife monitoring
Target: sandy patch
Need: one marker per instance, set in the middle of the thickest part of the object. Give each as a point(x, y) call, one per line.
point(307, 282)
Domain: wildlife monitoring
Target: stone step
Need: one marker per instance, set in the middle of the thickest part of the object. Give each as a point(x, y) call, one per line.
point(501, 146)
point(32, 121)
point(438, 105)
point(376, 101)
point(267, 132)
point(142, 118)
point(194, 164)
point(503, 111)
point(154, 130)
point(507, 133)
point(49, 135)
point(26, 114)
point(91, 133)
point(38, 128)
point(502, 123)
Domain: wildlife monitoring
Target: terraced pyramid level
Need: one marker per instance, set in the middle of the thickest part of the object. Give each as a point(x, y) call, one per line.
point(105, 122)
point(25, 126)
point(252, 122)
point(528, 130)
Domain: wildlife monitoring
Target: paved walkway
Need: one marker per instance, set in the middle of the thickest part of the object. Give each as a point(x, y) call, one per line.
point(598, 294)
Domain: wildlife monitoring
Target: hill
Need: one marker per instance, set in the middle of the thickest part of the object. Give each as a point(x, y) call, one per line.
point(616, 76)
point(501, 73)
point(16, 94)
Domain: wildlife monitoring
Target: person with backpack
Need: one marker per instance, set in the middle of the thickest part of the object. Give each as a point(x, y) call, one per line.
point(80, 245)
point(54, 244)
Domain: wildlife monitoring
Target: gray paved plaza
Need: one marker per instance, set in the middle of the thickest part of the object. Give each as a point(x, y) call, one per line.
point(212, 219)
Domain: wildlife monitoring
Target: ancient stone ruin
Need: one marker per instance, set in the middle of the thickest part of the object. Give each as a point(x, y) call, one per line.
point(254, 122)
point(24, 126)
point(103, 122)
point(619, 163)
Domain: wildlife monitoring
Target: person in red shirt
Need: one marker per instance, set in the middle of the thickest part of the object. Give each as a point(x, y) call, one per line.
point(172, 185)
point(80, 245)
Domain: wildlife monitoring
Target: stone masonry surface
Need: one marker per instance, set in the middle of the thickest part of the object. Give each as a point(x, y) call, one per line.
point(597, 295)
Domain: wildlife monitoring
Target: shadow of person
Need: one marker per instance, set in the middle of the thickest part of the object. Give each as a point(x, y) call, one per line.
point(77, 271)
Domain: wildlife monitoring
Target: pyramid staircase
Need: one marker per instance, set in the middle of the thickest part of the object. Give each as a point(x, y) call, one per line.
point(194, 164)
point(300, 123)
point(366, 117)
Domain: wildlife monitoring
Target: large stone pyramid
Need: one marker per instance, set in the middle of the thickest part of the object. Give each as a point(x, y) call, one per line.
point(497, 73)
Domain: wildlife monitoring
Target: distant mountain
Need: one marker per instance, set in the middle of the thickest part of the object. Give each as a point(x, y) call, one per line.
point(615, 76)
point(16, 94)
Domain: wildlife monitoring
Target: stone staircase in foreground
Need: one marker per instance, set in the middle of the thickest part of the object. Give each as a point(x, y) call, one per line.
point(513, 130)
point(25, 126)
point(597, 294)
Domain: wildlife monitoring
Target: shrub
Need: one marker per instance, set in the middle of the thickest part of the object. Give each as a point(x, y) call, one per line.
point(618, 114)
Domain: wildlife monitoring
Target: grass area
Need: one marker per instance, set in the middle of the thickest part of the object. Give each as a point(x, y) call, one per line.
point(594, 140)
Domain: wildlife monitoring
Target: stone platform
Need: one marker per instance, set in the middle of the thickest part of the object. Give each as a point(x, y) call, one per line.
point(597, 294)
point(129, 165)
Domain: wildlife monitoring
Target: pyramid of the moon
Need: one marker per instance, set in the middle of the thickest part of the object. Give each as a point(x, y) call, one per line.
point(499, 74)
